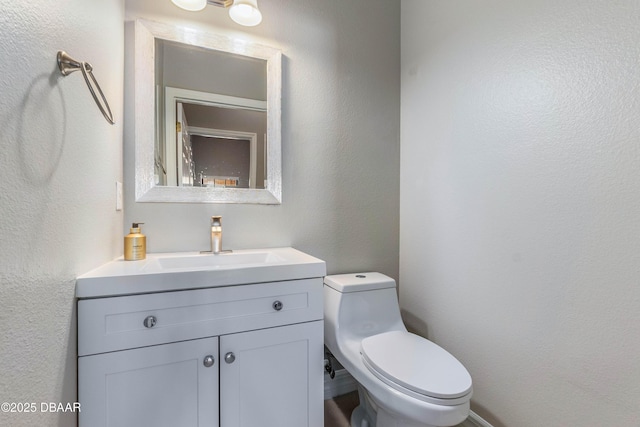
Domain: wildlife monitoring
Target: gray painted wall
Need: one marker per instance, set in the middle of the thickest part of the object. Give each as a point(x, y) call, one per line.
point(59, 164)
point(340, 136)
point(520, 238)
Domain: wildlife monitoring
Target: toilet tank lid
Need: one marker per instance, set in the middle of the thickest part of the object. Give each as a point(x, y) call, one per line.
point(356, 282)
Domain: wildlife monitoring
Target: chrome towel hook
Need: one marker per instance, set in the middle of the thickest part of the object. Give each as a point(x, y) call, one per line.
point(68, 65)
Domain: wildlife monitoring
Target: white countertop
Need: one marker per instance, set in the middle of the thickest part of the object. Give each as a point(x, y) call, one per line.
point(162, 272)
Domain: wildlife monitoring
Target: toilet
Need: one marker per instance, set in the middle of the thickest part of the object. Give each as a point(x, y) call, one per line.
point(404, 380)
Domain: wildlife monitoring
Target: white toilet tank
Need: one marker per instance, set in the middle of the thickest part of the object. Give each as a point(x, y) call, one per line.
point(362, 304)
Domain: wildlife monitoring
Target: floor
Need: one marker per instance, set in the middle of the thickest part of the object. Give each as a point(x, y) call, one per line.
point(337, 411)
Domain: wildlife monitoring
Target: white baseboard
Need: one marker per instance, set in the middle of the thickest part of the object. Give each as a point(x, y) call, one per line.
point(343, 383)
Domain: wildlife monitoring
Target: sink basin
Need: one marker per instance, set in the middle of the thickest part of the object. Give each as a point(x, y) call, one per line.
point(228, 260)
point(162, 272)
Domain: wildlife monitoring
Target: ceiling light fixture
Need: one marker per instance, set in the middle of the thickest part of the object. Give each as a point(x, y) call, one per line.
point(246, 12)
point(243, 12)
point(191, 5)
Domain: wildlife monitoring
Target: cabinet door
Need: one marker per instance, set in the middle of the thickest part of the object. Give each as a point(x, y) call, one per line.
point(161, 386)
point(272, 377)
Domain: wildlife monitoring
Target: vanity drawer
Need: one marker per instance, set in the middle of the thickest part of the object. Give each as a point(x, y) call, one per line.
point(117, 323)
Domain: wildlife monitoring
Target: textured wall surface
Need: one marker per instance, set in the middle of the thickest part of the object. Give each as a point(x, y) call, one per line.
point(520, 203)
point(340, 136)
point(59, 164)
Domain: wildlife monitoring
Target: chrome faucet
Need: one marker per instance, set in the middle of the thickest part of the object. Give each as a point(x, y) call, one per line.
point(216, 234)
point(216, 237)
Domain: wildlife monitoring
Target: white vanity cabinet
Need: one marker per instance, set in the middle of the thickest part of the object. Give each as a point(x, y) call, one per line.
point(270, 381)
point(228, 356)
point(167, 385)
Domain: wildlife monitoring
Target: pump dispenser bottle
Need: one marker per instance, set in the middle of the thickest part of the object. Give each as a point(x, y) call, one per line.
point(135, 243)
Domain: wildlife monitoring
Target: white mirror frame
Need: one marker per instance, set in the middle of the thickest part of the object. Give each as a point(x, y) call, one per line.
point(145, 116)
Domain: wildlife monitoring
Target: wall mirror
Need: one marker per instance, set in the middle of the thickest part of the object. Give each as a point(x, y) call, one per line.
point(207, 117)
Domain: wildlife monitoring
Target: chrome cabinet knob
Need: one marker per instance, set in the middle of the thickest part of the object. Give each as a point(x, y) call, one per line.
point(208, 361)
point(229, 357)
point(277, 305)
point(150, 321)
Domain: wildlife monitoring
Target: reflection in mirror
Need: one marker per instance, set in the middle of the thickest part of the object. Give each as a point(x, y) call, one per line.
point(197, 114)
point(213, 156)
point(207, 117)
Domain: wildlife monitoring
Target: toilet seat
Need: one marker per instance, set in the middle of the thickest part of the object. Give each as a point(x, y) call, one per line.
point(416, 366)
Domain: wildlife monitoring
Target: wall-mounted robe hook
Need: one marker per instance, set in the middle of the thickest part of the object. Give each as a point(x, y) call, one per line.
point(68, 65)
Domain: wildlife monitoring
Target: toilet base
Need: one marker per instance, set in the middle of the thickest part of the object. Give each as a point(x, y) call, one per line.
point(358, 418)
point(364, 415)
point(384, 419)
point(368, 414)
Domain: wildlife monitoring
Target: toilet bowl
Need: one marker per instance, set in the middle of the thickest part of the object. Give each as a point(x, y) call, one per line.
point(403, 379)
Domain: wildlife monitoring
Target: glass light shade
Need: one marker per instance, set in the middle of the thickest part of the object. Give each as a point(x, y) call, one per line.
point(245, 12)
point(192, 5)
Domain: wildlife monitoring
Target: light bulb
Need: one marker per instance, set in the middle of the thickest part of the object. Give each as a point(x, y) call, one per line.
point(192, 5)
point(245, 12)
